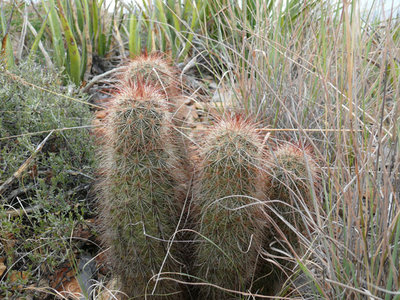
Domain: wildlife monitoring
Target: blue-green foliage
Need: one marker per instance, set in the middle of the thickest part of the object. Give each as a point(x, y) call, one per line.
point(56, 183)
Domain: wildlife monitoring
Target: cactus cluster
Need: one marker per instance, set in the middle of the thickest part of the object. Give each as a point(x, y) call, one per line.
point(146, 168)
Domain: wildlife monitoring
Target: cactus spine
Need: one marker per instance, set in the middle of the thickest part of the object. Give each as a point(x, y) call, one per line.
point(227, 176)
point(139, 207)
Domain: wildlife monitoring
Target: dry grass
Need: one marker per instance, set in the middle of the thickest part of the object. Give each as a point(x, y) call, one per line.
point(329, 74)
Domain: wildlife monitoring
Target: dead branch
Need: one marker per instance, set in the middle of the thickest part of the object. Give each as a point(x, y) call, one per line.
point(17, 174)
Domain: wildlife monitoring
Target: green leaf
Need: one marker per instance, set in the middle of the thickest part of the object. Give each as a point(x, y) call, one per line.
point(37, 39)
point(73, 52)
point(6, 54)
point(134, 36)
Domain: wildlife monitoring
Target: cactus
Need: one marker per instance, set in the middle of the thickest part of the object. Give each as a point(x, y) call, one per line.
point(287, 186)
point(153, 69)
point(156, 70)
point(288, 183)
point(230, 221)
point(141, 188)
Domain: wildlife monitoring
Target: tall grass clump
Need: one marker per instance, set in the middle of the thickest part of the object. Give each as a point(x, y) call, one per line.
point(139, 191)
point(168, 26)
point(227, 197)
point(70, 34)
point(326, 74)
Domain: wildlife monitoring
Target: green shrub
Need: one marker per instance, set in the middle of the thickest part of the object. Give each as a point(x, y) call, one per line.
point(53, 189)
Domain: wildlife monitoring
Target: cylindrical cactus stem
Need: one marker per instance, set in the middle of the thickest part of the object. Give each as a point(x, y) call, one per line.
point(290, 173)
point(230, 214)
point(138, 193)
point(287, 185)
point(153, 69)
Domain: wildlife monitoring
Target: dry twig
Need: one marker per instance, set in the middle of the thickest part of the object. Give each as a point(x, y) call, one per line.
point(17, 174)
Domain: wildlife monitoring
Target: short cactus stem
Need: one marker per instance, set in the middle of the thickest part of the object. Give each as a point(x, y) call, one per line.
point(291, 172)
point(138, 192)
point(287, 186)
point(230, 213)
point(152, 69)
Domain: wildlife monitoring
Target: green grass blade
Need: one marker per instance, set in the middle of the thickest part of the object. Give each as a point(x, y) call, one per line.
point(134, 36)
point(102, 44)
point(88, 20)
point(37, 39)
point(102, 32)
point(88, 37)
point(102, 38)
point(73, 13)
point(395, 260)
point(150, 42)
point(173, 15)
point(173, 12)
point(56, 36)
point(161, 18)
point(6, 54)
point(95, 22)
point(80, 15)
point(84, 58)
point(109, 35)
point(197, 15)
point(73, 52)
point(310, 275)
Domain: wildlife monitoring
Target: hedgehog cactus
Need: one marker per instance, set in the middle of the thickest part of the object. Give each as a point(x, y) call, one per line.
point(225, 193)
point(139, 193)
point(289, 187)
point(154, 69)
point(286, 183)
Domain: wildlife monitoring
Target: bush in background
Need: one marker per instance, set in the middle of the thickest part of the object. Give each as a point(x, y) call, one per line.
point(40, 210)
